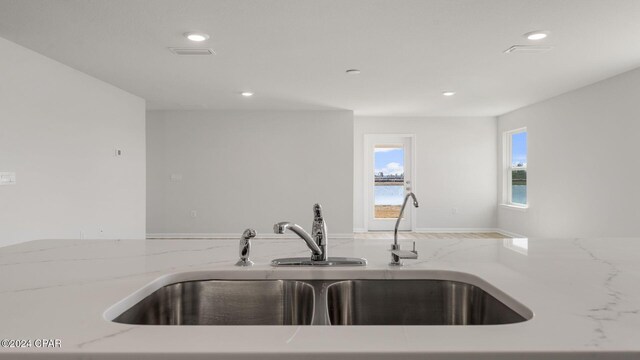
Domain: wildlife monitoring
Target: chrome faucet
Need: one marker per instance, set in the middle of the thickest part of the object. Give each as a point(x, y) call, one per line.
point(316, 243)
point(396, 254)
point(245, 247)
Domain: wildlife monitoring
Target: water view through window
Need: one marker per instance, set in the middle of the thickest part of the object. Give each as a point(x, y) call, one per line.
point(519, 168)
point(388, 181)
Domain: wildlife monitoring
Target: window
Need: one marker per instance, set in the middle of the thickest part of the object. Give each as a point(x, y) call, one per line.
point(516, 167)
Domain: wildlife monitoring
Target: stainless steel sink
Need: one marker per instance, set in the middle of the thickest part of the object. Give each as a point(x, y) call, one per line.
point(414, 302)
point(322, 302)
point(225, 302)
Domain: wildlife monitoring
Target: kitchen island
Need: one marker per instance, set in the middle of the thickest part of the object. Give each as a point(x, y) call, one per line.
point(583, 296)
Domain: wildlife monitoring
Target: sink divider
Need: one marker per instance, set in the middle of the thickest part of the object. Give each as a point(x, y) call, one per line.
point(321, 306)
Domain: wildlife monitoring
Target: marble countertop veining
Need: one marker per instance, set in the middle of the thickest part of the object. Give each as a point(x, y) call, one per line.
point(584, 294)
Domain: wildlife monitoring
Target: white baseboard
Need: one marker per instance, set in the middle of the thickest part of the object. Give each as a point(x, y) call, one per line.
point(469, 230)
point(455, 230)
point(234, 236)
point(331, 236)
point(509, 233)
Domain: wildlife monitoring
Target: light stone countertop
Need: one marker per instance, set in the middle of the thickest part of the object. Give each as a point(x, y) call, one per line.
point(584, 294)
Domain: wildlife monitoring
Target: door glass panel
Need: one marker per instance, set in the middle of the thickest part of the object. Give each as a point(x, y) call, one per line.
point(388, 180)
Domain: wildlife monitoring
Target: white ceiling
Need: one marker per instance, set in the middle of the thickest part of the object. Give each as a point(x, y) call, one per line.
point(294, 53)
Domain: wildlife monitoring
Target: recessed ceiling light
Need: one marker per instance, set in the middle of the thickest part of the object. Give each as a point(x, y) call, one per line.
point(536, 35)
point(194, 36)
point(246, 93)
point(448, 93)
point(353, 71)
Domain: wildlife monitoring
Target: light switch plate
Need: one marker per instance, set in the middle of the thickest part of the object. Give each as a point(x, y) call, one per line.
point(7, 178)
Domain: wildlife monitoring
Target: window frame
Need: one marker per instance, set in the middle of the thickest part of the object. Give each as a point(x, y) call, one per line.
point(509, 168)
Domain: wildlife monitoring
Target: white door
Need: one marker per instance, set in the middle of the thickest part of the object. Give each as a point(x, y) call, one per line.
point(388, 178)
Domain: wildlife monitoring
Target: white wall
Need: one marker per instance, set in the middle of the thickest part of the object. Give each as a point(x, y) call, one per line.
point(455, 168)
point(244, 169)
point(58, 132)
point(583, 162)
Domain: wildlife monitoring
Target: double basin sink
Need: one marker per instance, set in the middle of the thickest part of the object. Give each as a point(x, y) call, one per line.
point(321, 302)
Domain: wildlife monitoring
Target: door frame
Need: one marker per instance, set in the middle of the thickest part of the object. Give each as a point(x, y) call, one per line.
point(368, 170)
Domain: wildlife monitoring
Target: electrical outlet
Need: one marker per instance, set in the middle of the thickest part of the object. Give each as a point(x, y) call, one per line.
point(194, 214)
point(7, 178)
point(455, 211)
point(117, 152)
point(176, 177)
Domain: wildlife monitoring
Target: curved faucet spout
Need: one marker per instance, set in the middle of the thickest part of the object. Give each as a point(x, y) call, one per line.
point(395, 231)
point(415, 201)
point(281, 227)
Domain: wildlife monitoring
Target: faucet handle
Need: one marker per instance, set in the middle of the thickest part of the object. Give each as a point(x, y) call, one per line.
point(317, 211)
point(245, 247)
point(249, 234)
